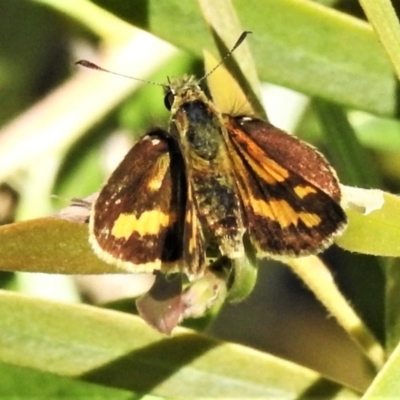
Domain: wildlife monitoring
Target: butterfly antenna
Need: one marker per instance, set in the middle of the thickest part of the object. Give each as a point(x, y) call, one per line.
point(90, 65)
point(227, 55)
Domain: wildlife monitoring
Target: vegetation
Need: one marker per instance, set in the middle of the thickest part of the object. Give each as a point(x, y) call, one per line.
point(63, 128)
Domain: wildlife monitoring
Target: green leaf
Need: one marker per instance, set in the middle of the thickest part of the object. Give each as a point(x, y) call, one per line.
point(375, 233)
point(392, 309)
point(224, 23)
point(120, 351)
point(352, 159)
point(49, 245)
point(44, 385)
point(339, 52)
point(383, 18)
point(387, 383)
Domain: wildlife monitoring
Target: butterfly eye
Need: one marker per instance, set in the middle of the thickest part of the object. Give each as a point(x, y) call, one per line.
point(168, 100)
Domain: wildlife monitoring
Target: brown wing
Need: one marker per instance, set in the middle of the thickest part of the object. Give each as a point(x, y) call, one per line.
point(290, 194)
point(194, 246)
point(137, 221)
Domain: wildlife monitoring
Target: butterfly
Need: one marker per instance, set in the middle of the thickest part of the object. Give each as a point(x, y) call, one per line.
point(210, 183)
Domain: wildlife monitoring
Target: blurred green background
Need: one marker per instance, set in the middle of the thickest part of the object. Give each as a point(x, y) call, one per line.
point(64, 129)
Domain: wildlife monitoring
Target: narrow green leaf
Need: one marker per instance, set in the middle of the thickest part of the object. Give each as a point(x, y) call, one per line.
point(355, 164)
point(324, 53)
point(387, 383)
point(49, 245)
point(339, 52)
point(383, 18)
point(318, 278)
point(24, 383)
point(375, 233)
point(392, 307)
point(226, 28)
point(120, 351)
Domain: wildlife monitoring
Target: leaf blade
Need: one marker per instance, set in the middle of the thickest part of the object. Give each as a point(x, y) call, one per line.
point(120, 351)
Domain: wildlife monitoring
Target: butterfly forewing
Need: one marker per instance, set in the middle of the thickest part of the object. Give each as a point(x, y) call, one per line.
point(289, 192)
point(137, 221)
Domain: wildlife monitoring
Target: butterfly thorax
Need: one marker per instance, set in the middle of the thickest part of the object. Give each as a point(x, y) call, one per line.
point(197, 127)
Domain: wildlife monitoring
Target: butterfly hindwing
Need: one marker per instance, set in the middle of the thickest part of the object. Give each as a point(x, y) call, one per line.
point(194, 250)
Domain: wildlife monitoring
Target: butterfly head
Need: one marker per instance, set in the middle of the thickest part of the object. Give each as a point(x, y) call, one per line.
point(183, 90)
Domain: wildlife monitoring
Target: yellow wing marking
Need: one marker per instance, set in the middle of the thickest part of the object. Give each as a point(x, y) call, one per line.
point(148, 223)
point(281, 212)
